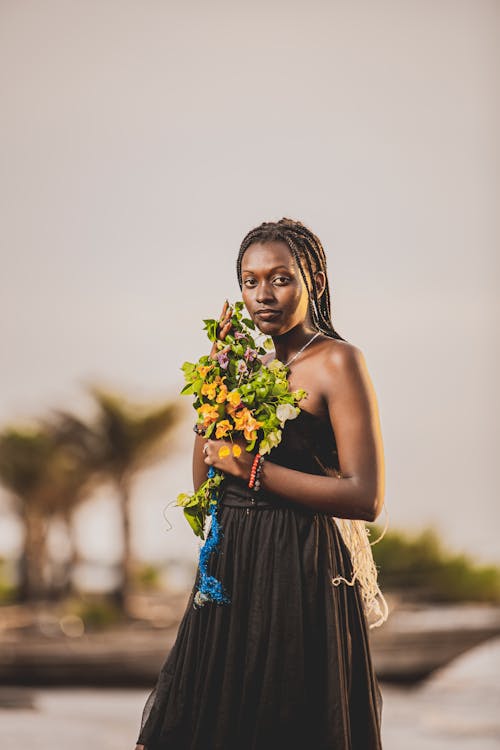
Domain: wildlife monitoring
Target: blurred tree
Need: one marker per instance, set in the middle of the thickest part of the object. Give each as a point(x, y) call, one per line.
point(75, 473)
point(419, 565)
point(50, 466)
point(131, 437)
point(25, 460)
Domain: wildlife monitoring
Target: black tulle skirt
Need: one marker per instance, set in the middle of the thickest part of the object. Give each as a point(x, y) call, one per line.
point(287, 663)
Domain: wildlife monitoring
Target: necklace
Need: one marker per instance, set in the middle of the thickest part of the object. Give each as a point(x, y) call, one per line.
point(302, 349)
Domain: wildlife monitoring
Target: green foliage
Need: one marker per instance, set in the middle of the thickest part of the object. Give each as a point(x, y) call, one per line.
point(96, 613)
point(7, 587)
point(147, 576)
point(420, 563)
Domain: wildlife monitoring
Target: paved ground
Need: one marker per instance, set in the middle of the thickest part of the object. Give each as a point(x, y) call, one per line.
point(456, 710)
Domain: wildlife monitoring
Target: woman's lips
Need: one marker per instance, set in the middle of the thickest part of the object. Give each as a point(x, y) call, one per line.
point(268, 314)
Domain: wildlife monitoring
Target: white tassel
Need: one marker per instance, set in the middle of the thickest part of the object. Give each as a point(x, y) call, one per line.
point(356, 537)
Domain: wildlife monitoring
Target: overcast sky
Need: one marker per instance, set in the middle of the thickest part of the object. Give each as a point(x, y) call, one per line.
point(141, 140)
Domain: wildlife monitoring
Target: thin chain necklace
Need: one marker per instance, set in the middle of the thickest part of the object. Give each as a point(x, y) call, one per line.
point(302, 349)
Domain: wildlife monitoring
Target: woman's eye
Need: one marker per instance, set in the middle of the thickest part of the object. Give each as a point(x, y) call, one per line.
point(282, 280)
point(249, 282)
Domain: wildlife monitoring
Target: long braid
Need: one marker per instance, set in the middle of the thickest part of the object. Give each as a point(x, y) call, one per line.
point(310, 257)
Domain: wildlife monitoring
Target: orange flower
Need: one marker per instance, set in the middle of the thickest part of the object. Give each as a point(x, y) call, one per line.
point(245, 421)
point(209, 389)
point(251, 427)
point(222, 395)
point(234, 398)
point(203, 369)
point(223, 428)
point(208, 413)
point(231, 410)
point(241, 417)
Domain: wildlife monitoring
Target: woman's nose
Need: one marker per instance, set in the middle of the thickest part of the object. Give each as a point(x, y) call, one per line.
point(264, 292)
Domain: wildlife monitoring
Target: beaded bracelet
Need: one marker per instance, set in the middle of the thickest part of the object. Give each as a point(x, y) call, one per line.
point(255, 472)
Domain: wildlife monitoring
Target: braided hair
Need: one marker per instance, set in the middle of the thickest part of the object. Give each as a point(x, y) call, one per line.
point(309, 255)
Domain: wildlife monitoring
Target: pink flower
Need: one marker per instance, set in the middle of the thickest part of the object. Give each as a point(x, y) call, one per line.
point(239, 335)
point(250, 354)
point(223, 360)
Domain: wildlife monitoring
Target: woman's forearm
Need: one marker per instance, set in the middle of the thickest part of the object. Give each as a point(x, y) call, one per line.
point(343, 497)
point(346, 496)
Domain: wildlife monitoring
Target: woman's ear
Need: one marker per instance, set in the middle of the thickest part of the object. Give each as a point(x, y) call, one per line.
point(320, 281)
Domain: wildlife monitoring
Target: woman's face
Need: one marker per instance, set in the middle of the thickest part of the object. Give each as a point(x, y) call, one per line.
point(273, 290)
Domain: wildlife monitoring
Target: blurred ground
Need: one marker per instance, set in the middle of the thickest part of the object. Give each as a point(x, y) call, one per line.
point(457, 708)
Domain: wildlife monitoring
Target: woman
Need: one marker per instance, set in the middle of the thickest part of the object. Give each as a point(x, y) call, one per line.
point(287, 663)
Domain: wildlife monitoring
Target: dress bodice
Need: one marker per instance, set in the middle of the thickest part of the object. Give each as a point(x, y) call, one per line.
point(307, 444)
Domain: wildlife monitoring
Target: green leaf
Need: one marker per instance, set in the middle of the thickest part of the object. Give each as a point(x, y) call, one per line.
point(211, 328)
point(210, 429)
point(195, 520)
point(188, 368)
point(251, 446)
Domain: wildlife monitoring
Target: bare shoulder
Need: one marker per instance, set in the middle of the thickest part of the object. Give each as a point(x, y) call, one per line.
point(340, 356)
point(345, 379)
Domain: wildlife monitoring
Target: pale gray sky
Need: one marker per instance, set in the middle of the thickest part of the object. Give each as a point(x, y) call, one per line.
point(140, 141)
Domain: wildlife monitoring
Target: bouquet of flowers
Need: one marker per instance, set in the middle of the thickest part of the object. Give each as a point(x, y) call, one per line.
point(236, 397)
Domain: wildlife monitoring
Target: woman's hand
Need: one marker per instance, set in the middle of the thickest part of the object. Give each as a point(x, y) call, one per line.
point(237, 465)
point(223, 328)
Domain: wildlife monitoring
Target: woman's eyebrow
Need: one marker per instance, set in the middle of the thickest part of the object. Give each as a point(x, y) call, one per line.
point(271, 270)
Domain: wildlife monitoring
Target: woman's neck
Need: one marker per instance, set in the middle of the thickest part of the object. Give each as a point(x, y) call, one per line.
point(289, 343)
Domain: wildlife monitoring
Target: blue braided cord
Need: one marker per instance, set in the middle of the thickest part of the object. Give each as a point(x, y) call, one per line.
point(210, 589)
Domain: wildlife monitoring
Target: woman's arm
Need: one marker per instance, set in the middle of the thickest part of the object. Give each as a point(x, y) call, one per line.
point(352, 406)
point(199, 466)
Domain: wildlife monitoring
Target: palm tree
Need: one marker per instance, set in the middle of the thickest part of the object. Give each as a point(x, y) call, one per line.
point(75, 473)
point(52, 465)
point(132, 437)
point(26, 454)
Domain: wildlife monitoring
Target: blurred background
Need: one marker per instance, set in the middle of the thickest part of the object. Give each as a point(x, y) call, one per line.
point(139, 143)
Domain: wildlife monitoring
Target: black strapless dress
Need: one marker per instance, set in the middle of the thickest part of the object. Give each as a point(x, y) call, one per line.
point(287, 663)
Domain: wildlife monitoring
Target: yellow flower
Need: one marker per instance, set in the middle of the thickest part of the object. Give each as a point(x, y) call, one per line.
point(223, 428)
point(234, 398)
point(209, 389)
point(241, 417)
point(208, 413)
point(236, 451)
point(245, 421)
point(249, 434)
point(222, 395)
point(224, 451)
point(231, 409)
point(203, 369)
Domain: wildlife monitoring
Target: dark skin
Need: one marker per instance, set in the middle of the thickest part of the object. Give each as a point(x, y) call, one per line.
point(339, 388)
